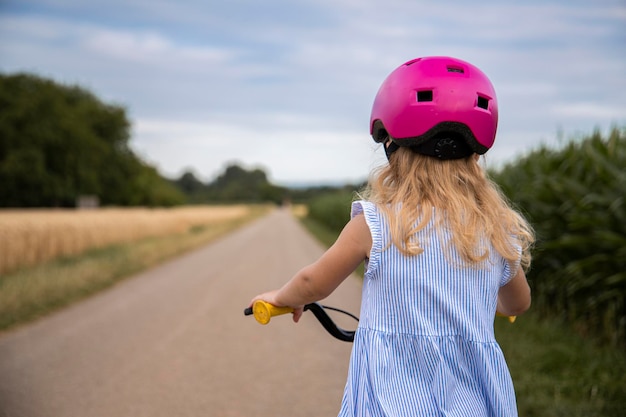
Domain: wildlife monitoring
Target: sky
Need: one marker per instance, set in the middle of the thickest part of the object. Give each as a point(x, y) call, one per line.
point(287, 85)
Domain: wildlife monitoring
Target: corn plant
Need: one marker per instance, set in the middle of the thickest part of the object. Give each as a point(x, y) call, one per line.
point(575, 199)
point(331, 209)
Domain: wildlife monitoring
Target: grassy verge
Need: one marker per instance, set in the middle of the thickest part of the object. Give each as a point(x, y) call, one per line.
point(556, 373)
point(325, 235)
point(33, 292)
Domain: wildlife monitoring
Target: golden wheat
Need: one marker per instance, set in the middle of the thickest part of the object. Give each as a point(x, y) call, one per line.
point(300, 210)
point(29, 237)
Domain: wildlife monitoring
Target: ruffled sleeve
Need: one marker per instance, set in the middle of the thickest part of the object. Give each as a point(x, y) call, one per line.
point(510, 270)
point(372, 219)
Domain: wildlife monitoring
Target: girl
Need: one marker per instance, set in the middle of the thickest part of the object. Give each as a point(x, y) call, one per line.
point(443, 250)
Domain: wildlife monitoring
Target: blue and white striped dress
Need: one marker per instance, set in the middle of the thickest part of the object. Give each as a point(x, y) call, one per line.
point(425, 344)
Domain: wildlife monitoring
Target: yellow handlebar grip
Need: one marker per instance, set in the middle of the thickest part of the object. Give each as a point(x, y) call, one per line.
point(264, 311)
point(511, 318)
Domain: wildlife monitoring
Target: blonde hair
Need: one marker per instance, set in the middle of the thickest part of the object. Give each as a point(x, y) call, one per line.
point(468, 204)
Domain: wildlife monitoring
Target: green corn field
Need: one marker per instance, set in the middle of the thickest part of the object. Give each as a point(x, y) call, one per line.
point(575, 199)
point(332, 209)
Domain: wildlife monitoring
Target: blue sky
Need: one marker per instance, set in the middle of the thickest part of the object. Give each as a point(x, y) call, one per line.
point(288, 85)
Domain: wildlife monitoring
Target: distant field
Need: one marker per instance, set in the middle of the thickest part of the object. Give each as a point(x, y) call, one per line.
point(31, 237)
point(63, 256)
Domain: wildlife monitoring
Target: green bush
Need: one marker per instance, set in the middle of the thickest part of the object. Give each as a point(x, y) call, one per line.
point(574, 197)
point(332, 209)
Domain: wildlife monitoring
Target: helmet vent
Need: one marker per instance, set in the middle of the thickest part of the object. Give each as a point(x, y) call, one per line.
point(483, 103)
point(455, 69)
point(426, 95)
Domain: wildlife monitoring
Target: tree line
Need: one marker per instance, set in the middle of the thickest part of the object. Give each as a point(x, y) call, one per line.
point(60, 142)
point(234, 185)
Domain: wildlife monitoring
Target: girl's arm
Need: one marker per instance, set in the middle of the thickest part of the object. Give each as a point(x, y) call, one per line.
point(514, 297)
point(318, 280)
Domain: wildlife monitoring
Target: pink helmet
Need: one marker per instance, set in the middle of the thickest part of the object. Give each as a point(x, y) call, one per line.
point(438, 106)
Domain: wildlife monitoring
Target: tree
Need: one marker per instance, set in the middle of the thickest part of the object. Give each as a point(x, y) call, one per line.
point(189, 184)
point(234, 185)
point(59, 142)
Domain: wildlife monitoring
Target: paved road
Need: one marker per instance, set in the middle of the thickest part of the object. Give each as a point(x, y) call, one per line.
point(173, 341)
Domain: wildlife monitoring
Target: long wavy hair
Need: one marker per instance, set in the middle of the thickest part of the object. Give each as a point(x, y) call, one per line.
point(465, 202)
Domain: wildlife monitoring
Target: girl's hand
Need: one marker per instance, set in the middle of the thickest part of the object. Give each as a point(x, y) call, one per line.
point(319, 279)
point(270, 297)
point(297, 313)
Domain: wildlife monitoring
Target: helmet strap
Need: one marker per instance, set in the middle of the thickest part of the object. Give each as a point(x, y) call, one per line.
point(391, 148)
point(444, 147)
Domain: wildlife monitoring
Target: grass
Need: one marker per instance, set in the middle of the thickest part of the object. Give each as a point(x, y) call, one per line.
point(32, 292)
point(556, 372)
point(325, 235)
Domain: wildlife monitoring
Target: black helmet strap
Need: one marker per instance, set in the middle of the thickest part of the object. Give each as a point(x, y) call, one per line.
point(391, 148)
point(443, 146)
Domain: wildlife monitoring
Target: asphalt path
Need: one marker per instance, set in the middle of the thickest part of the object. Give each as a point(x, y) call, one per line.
point(173, 341)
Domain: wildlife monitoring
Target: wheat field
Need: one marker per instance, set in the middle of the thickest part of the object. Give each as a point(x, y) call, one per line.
point(30, 237)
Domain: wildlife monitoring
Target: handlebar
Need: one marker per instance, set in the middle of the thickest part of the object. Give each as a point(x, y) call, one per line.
point(264, 311)
point(511, 319)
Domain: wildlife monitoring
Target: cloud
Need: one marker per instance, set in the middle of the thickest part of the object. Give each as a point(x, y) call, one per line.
point(281, 83)
point(150, 48)
point(289, 154)
point(590, 111)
